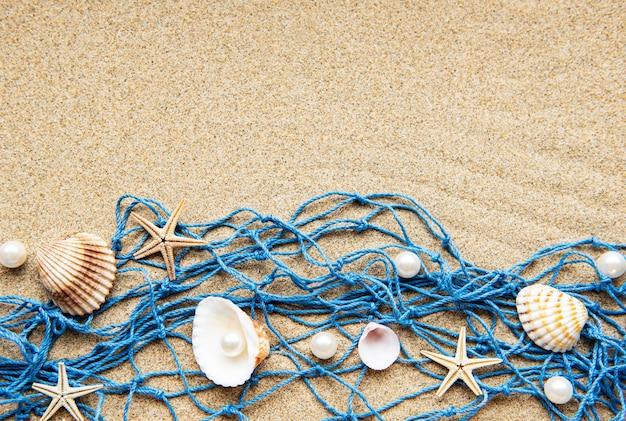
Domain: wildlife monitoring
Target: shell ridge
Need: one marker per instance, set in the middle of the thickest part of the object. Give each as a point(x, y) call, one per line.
point(58, 293)
point(100, 260)
point(79, 266)
point(69, 270)
point(49, 276)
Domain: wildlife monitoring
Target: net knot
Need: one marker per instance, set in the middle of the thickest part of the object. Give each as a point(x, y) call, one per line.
point(229, 410)
point(373, 307)
point(593, 307)
point(158, 394)
point(165, 288)
point(406, 318)
point(162, 333)
point(449, 412)
point(362, 225)
point(314, 371)
point(54, 317)
point(602, 285)
point(267, 218)
point(360, 199)
point(481, 349)
point(445, 241)
point(137, 380)
point(116, 245)
point(58, 322)
point(58, 325)
point(595, 242)
point(350, 278)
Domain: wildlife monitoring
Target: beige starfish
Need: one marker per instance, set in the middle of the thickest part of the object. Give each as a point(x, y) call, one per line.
point(164, 239)
point(460, 366)
point(63, 395)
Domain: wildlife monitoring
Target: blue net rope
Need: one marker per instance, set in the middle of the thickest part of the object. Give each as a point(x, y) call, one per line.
point(339, 292)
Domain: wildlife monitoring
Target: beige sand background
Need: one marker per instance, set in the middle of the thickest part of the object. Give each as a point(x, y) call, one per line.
point(505, 119)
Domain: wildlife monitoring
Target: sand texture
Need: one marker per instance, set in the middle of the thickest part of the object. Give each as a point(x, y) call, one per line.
point(506, 120)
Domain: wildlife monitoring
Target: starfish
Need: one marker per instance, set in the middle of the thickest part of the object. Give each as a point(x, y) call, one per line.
point(164, 240)
point(63, 395)
point(460, 366)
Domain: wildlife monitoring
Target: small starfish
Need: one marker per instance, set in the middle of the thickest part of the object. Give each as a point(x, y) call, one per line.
point(63, 395)
point(164, 239)
point(460, 366)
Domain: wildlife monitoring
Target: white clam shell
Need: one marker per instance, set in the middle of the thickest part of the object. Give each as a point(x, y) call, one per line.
point(215, 317)
point(378, 346)
point(552, 318)
point(78, 272)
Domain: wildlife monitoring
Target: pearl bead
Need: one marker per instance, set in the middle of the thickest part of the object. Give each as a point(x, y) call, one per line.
point(558, 389)
point(611, 264)
point(323, 345)
point(232, 344)
point(12, 254)
point(407, 264)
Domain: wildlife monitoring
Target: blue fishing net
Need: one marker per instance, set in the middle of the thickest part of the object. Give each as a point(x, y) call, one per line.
point(327, 268)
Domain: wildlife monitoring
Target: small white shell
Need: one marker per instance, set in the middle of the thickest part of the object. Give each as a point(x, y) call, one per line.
point(378, 346)
point(78, 272)
point(552, 319)
point(217, 319)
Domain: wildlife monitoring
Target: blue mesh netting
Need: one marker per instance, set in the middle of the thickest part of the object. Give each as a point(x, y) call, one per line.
point(298, 271)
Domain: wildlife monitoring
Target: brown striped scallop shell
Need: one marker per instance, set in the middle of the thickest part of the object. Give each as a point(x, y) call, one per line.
point(78, 272)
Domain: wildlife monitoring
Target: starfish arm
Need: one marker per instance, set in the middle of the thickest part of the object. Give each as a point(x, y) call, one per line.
point(47, 389)
point(448, 362)
point(168, 255)
point(170, 226)
point(153, 230)
point(474, 363)
point(452, 376)
point(470, 381)
point(72, 408)
point(152, 247)
point(75, 392)
point(178, 241)
point(63, 382)
point(56, 404)
point(461, 347)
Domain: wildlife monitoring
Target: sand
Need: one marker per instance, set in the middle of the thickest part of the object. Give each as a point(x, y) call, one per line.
point(505, 120)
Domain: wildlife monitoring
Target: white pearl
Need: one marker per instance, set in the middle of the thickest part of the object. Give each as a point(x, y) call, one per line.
point(611, 264)
point(232, 344)
point(12, 254)
point(323, 345)
point(558, 389)
point(407, 264)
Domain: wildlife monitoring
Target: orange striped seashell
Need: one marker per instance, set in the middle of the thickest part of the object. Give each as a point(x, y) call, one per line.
point(552, 318)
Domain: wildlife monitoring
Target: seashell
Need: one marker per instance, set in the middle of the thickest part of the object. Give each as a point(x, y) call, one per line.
point(552, 318)
point(78, 272)
point(378, 346)
point(227, 343)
